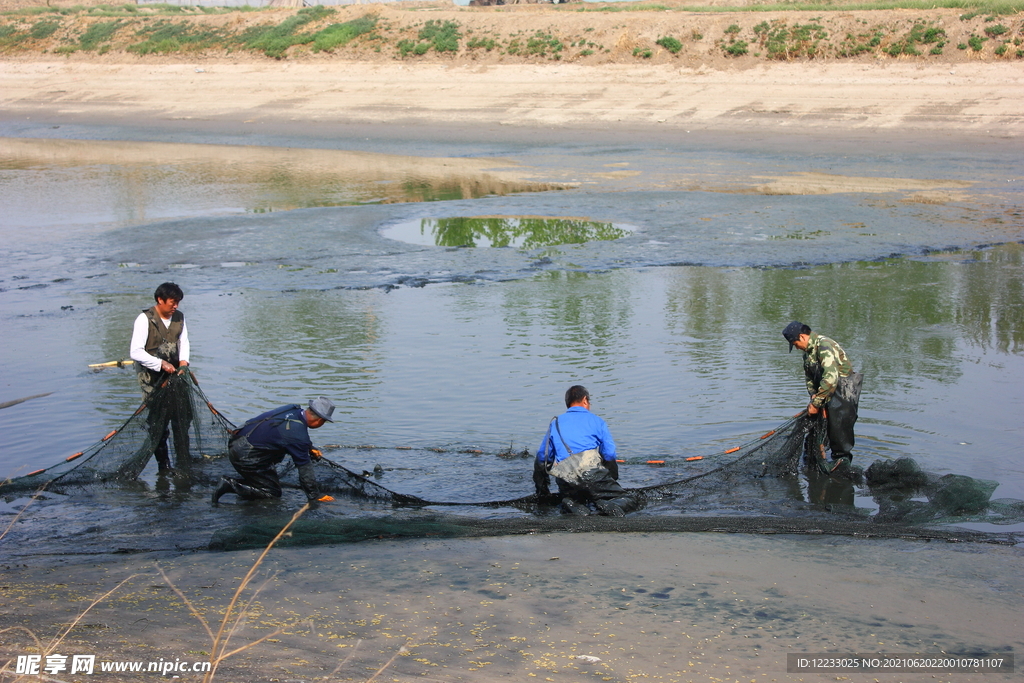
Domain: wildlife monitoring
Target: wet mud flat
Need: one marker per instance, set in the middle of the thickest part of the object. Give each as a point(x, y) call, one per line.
point(560, 607)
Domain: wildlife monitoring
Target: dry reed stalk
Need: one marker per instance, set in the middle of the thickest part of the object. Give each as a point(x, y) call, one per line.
point(221, 639)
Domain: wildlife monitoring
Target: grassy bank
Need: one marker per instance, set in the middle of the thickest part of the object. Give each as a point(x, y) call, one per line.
point(589, 33)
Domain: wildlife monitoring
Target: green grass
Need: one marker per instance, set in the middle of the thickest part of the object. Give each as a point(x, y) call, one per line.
point(671, 44)
point(736, 48)
point(443, 36)
point(169, 29)
point(783, 42)
point(994, 7)
point(338, 35)
point(11, 36)
point(487, 44)
point(97, 34)
point(274, 41)
point(124, 10)
point(408, 47)
point(167, 37)
point(43, 29)
point(541, 43)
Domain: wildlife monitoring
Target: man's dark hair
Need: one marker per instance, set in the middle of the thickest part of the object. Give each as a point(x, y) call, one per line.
point(168, 290)
point(575, 394)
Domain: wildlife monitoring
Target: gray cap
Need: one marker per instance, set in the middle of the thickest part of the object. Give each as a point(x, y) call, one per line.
point(322, 407)
point(793, 332)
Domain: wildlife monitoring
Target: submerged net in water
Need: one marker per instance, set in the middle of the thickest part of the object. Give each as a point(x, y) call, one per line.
point(177, 406)
point(757, 488)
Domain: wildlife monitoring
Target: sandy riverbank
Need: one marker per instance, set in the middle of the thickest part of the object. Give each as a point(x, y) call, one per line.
point(984, 99)
point(563, 607)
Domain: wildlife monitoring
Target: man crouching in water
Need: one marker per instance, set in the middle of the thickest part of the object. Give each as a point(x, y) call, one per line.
point(579, 451)
point(263, 441)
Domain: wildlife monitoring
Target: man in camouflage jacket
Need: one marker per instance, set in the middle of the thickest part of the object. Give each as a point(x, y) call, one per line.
point(833, 386)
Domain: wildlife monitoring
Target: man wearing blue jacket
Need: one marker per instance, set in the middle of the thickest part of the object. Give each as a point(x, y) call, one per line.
point(265, 440)
point(578, 450)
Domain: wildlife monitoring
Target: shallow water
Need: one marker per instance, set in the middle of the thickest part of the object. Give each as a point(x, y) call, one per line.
point(461, 353)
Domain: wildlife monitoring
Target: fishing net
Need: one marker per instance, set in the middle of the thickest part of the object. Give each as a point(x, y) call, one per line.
point(179, 407)
point(763, 486)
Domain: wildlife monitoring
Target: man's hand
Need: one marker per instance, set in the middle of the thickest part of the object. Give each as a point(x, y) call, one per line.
point(316, 454)
point(812, 409)
point(325, 499)
point(181, 366)
point(166, 367)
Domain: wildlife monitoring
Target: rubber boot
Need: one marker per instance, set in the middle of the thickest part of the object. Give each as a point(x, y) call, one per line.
point(226, 486)
point(163, 460)
point(574, 507)
point(616, 507)
point(840, 465)
point(250, 492)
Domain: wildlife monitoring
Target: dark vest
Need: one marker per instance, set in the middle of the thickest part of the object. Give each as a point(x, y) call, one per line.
point(162, 342)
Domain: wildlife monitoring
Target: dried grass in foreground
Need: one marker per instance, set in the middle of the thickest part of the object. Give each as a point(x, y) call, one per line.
point(233, 616)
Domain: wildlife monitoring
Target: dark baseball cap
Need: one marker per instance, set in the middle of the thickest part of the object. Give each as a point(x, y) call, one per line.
point(793, 332)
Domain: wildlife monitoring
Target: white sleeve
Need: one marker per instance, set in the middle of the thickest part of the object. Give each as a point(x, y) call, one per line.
point(137, 351)
point(183, 346)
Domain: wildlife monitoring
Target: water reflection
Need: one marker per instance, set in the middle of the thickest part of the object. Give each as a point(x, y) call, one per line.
point(310, 343)
point(917, 309)
point(524, 232)
point(127, 183)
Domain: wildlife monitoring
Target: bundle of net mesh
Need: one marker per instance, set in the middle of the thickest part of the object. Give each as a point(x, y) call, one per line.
point(123, 454)
point(768, 485)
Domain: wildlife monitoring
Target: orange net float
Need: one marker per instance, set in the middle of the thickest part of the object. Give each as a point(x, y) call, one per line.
point(36, 472)
point(212, 409)
point(655, 462)
point(696, 457)
point(732, 450)
point(109, 436)
point(140, 409)
point(76, 455)
point(768, 434)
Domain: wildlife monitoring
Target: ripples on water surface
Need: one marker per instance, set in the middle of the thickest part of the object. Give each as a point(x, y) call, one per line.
point(674, 327)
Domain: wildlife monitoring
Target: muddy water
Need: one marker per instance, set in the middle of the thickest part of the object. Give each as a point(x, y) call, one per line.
point(443, 357)
point(674, 325)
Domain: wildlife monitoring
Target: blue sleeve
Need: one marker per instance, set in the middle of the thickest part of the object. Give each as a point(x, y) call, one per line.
point(607, 443)
point(546, 447)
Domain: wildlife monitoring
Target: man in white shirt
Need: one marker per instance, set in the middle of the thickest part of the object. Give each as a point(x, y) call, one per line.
point(160, 348)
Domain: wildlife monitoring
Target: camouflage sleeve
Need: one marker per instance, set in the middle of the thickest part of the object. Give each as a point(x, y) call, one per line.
point(829, 375)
